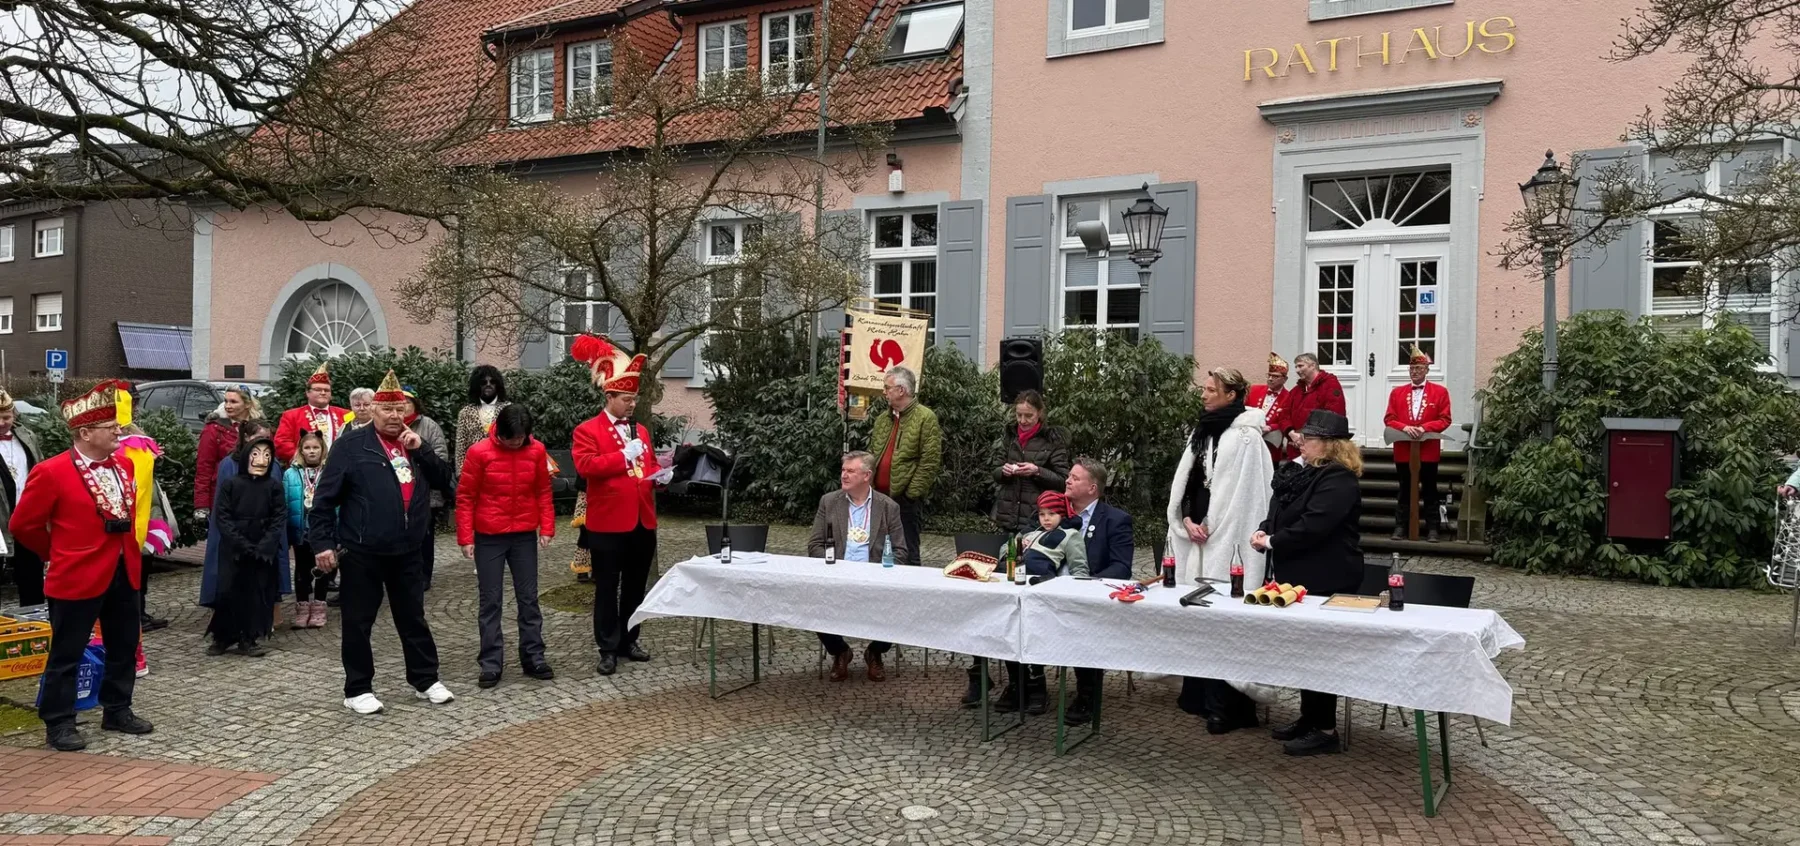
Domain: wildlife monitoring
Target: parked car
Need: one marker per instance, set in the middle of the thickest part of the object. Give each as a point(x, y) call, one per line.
point(190, 399)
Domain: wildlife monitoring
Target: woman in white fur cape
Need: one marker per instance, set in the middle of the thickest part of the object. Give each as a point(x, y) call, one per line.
point(1218, 498)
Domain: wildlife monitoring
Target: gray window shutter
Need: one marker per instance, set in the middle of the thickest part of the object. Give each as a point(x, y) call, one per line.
point(1030, 264)
point(960, 234)
point(1609, 276)
point(845, 239)
point(1171, 307)
point(1789, 360)
point(681, 364)
point(534, 354)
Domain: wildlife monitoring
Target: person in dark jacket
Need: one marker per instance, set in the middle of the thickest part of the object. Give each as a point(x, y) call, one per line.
point(1311, 539)
point(1110, 548)
point(374, 503)
point(503, 516)
point(251, 517)
point(1037, 460)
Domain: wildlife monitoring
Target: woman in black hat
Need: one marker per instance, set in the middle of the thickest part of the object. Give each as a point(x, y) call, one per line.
point(1312, 539)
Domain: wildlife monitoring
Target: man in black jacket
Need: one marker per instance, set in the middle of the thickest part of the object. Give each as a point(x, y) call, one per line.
point(373, 502)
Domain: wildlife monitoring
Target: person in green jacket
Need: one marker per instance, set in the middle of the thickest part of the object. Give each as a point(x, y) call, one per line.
point(909, 451)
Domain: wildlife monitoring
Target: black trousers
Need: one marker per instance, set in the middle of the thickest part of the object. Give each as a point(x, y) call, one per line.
point(911, 519)
point(307, 586)
point(1318, 710)
point(835, 645)
point(402, 578)
point(1216, 699)
point(1428, 495)
point(428, 552)
point(621, 567)
point(28, 575)
point(71, 621)
point(495, 556)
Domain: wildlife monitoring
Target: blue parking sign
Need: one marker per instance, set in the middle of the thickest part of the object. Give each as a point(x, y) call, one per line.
point(56, 359)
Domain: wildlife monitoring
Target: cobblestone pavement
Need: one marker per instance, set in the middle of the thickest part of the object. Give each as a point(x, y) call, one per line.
point(1642, 716)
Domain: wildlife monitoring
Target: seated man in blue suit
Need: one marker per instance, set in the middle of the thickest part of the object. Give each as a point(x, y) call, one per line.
point(1109, 549)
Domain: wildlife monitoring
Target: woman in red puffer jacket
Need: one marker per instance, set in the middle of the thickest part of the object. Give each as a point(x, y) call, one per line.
point(503, 516)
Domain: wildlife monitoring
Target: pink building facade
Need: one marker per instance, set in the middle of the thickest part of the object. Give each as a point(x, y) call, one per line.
point(1338, 175)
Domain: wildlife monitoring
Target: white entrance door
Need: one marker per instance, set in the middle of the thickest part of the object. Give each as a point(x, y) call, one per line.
point(1369, 303)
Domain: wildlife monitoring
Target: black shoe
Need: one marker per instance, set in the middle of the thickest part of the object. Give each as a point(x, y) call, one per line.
point(1313, 742)
point(487, 680)
point(65, 738)
point(252, 649)
point(1037, 700)
point(1078, 713)
point(1008, 700)
point(215, 649)
point(542, 672)
point(1432, 536)
point(126, 722)
point(609, 664)
point(1227, 725)
point(1288, 731)
point(972, 699)
point(333, 601)
point(151, 623)
point(637, 653)
point(1399, 534)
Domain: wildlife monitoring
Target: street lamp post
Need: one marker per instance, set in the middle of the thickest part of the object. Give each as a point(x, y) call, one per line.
point(1549, 198)
point(1144, 223)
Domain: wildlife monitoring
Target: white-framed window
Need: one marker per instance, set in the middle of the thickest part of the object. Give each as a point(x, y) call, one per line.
point(49, 309)
point(587, 314)
point(724, 49)
point(724, 243)
point(590, 70)
point(6, 314)
point(49, 237)
point(533, 86)
point(6, 243)
point(1099, 294)
point(903, 262)
point(1681, 300)
point(1095, 17)
point(1319, 10)
point(787, 49)
point(924, 30)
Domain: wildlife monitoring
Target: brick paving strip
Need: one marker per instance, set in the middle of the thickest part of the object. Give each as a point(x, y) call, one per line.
point(1642, 715)
point(38, 781)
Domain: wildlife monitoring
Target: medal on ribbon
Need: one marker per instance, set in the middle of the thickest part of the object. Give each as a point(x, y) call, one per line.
point(859, 534)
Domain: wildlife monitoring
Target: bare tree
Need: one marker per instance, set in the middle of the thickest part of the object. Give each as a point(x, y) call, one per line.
point(274, 103)
point(1741, 86)
point(641, 241)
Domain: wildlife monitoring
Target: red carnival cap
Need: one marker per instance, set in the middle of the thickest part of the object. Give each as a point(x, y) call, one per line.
point(390, 391)
point(610, 367)
point(98, 405)
point(319, 376)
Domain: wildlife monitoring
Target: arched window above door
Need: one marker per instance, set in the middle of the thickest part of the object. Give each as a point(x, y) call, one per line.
point(1379, 201)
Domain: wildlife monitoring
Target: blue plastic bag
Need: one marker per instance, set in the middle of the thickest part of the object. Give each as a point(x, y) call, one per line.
point(87, 678)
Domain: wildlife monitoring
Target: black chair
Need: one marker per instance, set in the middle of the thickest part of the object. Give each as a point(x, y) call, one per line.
point(744, 538)
point(1374, 581)
point(1447, 591)
point(986, 544)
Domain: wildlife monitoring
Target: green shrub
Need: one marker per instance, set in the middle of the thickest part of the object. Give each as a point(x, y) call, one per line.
point(1548, 499)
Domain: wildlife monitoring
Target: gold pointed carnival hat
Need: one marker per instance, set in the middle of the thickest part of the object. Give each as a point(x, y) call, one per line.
point(611, 369)
point(1419, 356)
point(6, 401)
point(1277, 365)
point(390, 391)
point(99, 405)
point(321, 376)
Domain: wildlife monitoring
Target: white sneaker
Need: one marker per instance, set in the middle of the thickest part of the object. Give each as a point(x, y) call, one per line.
point(364, 703)
point(437, 693)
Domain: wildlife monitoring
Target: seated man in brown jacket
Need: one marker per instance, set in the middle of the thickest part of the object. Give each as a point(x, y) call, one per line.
point(855, 521)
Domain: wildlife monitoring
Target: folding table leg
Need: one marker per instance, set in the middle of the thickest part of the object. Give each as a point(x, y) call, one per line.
point(712, 660)
point(1433, 798)
point(1062, 707)
point(988, 732)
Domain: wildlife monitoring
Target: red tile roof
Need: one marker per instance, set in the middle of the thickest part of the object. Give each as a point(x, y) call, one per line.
point(453, 77)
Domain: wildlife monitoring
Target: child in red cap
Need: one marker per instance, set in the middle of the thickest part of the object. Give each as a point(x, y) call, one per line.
point(1053, 550)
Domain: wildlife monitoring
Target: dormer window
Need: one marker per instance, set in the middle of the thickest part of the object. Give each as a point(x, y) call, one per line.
point(533, 86)
point(925, 30)
point(724, 50)
point(590, 78)
point(787, 55)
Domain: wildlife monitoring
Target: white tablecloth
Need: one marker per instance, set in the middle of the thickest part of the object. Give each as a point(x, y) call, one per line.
point(1426, 657)
point(917, 606)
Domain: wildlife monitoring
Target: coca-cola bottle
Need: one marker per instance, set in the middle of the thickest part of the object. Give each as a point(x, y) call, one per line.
point(1396, 592)
point(1237, 581)
point(1168, 570)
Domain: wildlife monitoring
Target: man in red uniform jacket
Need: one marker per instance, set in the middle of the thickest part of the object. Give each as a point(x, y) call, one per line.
point(614, 456)
point(1418, 409)
point(1317, 390)
point(76, 513)
point(318, 413)
point(1273, 398)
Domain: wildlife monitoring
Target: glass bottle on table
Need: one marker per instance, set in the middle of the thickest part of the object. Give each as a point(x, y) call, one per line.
point(887, 552)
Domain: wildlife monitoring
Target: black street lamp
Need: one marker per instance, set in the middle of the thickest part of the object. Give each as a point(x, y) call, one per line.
point(1144, 223)
point(1549, 200)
